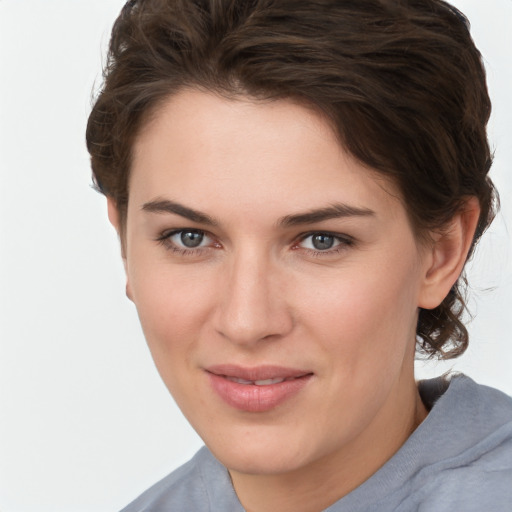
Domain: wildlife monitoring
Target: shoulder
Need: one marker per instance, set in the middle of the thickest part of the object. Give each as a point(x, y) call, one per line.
point(461, 405)
point(181, 485)
point(458, 459)
point(457, 386)
point(471, 432)
point(484, 483)
point(192, 487)
point(471, 427)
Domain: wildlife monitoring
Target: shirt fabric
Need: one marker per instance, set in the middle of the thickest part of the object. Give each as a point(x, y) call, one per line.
point(458, 460)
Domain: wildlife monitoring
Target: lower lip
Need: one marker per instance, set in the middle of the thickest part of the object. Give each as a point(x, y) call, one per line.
point(253, 398)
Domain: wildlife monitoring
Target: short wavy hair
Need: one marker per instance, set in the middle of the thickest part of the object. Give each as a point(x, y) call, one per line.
point(401, 82)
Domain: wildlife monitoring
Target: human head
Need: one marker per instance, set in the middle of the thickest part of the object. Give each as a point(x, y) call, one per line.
point(400, 82)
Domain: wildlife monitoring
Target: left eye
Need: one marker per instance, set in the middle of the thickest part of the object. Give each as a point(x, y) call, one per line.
point(189, 239)
point(320, 241)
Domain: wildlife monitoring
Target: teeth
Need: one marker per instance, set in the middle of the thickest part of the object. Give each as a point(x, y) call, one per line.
point(266, 382)
point(239, 381)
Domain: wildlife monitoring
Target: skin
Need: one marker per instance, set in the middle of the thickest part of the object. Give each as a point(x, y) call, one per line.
point(257, 291)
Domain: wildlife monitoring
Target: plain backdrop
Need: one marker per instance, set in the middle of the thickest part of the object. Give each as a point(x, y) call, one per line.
point(85, 423)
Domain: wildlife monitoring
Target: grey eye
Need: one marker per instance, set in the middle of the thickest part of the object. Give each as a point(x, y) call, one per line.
point(191, 239)
point(183, 240)
point(322, 242)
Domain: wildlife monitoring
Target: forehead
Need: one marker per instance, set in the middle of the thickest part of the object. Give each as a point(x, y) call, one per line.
point(217, 152)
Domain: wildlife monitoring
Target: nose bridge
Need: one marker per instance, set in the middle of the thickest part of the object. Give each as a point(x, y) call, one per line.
point(252, 308)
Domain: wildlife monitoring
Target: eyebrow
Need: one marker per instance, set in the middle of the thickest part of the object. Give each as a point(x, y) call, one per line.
point(166, 206)
point(334, 211)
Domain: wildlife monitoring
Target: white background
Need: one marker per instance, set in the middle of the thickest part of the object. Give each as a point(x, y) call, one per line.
point(85, 423)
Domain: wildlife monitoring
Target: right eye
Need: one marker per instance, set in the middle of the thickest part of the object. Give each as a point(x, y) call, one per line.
point(320, 241)
point(189, 239)
point(325, 243)
point(185, 241)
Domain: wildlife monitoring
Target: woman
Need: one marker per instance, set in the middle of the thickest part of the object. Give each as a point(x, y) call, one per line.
point(297, 186)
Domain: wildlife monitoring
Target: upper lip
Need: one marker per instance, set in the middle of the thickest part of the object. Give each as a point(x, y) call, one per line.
point(256, 373)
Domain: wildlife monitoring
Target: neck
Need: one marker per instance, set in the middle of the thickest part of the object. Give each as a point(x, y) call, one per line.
point(326, 480)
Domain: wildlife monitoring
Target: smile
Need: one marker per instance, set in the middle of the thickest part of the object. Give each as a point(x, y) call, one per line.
point(258, 389)
point(265, 382)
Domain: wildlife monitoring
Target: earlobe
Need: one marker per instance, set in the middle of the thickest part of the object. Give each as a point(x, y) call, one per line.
point(448, 254)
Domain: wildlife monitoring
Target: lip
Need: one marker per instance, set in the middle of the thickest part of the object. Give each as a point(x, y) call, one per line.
point(253, 397)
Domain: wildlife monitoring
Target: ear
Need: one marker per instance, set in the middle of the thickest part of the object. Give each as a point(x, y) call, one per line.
point(447, 255)
point(113, 213)
point(115, 220)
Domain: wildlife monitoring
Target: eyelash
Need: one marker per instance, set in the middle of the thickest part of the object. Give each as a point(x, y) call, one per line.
point(165, 240)
point(343, 242)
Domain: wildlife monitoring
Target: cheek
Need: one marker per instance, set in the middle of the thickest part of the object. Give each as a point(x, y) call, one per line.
point(365, 317)
point(364, 327)
point(173, 305)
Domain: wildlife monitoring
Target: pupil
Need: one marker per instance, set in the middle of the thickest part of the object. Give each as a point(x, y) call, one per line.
point(323, 242)
point(191, 238)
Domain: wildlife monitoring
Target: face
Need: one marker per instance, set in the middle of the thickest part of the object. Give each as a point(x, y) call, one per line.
point(277, 281)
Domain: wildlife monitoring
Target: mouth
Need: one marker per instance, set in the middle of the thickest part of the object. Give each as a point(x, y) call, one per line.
point(258, 389)
point(260, 375)
point(264, 382)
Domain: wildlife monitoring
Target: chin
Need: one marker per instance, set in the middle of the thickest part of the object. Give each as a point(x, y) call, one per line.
point(276, 455)
point(259, 463)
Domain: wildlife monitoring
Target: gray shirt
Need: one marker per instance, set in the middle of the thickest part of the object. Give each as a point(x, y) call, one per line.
point(458, 460)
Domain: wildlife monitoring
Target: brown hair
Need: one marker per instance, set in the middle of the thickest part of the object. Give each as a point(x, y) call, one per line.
point(400, 80)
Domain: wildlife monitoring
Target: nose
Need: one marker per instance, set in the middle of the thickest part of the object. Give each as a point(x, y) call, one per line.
point(252, 305)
